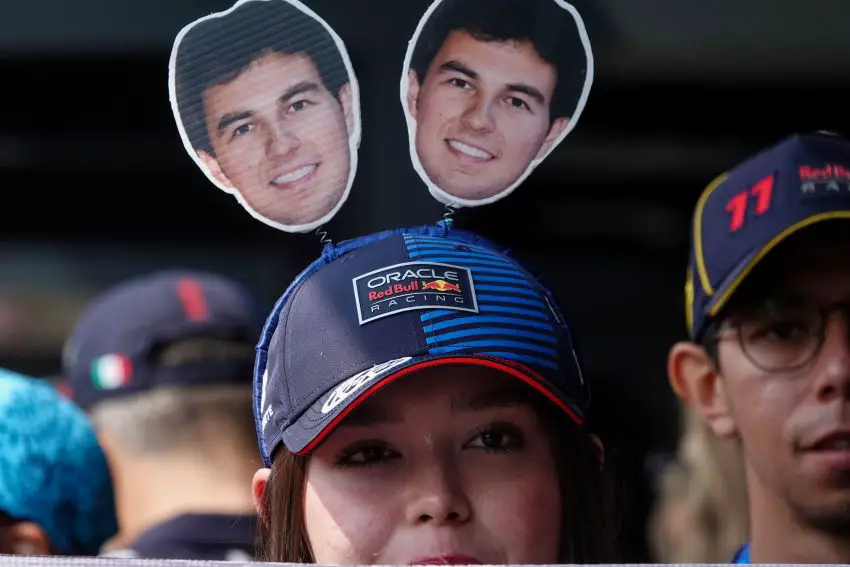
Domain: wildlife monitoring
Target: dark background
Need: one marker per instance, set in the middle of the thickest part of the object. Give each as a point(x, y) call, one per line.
point(96, 184)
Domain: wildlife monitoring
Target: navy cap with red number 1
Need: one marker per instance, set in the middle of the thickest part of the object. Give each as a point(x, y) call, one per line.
point(116, 348)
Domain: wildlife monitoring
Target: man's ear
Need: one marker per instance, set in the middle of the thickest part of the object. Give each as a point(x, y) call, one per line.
point(215, 170)
point(24, 538)
point(555, 130)
point(412, 92)
point(258, 491)
point(697, 381)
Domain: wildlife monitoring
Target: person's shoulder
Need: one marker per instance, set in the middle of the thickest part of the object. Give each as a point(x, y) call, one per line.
point(214, 537)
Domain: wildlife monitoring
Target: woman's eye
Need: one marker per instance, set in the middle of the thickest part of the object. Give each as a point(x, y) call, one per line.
point(365, 456)
point(498, 439)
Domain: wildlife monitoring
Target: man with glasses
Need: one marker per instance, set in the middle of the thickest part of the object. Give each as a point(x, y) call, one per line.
point(768, 361)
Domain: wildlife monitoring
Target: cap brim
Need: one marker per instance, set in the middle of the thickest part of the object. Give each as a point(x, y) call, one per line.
point(320, 419)
point(733, 282)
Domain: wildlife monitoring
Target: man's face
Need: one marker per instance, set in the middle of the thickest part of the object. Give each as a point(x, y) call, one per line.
point(482, 114)
point(280, 138)
point(795, 425)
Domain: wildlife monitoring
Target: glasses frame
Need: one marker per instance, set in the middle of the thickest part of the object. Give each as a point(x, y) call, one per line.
point(824, 312)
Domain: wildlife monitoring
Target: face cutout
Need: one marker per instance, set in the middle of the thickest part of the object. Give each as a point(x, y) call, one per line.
point(267, 105)
point(489, 88)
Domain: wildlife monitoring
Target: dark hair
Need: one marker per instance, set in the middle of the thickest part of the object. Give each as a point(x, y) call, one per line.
point(217, 50)
point(549, 28)
point(708, 338)
point(589, 528)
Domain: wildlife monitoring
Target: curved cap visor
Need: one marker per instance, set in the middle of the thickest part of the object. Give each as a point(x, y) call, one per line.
point(320, 419)
point(745, 267)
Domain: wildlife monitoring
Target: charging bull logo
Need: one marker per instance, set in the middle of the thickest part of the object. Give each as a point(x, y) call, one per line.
point(441, 285)
point(413, 285)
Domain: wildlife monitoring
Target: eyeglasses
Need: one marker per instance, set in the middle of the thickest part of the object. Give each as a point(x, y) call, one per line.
point(783, 335)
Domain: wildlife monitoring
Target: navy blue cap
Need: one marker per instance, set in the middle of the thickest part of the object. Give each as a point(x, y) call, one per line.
point(383, 306)
point(114, 349)
point(745, 213)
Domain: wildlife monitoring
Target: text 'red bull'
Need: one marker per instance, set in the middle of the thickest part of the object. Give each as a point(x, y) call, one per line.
point(437, 285)
point(394, 290)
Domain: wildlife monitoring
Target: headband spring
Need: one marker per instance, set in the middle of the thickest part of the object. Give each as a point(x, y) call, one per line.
point(323, 235)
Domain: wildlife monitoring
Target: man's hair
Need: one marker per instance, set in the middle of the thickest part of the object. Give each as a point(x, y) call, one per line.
point(177, 418)
point(549, 28)
point(217, 50)
point(174, 419)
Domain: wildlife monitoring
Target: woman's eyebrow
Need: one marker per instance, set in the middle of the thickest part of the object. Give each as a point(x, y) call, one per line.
point(369, 415)
point(505, 396)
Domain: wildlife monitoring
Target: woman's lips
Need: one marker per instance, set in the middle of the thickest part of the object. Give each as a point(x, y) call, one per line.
point(447, 560)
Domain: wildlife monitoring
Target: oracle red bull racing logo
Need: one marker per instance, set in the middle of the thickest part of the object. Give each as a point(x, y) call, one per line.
point(413, 285)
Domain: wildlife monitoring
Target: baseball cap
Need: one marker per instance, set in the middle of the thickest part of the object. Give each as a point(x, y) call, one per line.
point(383, 306)
point(116, 348)
point(745, 213)
point(53, 471)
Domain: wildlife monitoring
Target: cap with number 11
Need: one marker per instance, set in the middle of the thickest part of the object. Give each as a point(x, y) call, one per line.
point(745, 213)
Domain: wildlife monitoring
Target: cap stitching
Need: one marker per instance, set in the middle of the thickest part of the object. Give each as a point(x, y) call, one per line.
point(697, 228)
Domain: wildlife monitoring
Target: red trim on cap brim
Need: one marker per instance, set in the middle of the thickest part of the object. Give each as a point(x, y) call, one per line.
point(516, 370)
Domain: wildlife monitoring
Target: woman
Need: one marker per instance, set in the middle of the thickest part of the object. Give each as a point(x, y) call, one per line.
point(419, 401)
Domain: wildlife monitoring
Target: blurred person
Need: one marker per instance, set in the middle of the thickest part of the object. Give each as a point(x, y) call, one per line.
point(701, 512)
point(419, 401)
point(162, 365)
point(768, 360)
point(55, 489)
point(492, 87)
point(270, 110)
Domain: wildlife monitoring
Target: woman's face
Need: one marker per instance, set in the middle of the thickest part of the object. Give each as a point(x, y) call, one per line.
point(450, 465)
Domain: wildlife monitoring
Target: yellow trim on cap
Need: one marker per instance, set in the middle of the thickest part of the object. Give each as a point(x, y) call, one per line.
point(698, 211)
point(722, 299)
point(689, 300)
